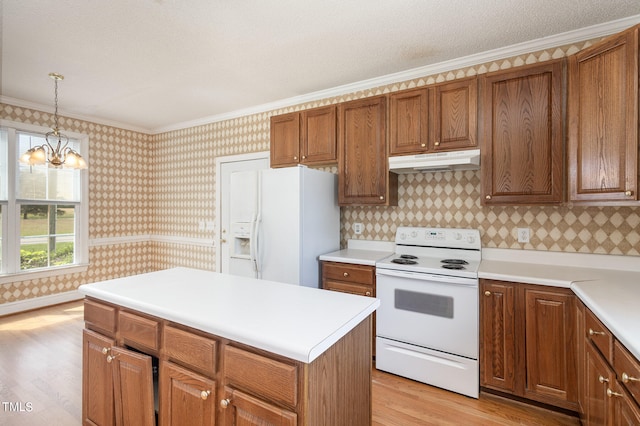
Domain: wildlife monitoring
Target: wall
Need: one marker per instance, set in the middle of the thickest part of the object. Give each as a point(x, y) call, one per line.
point(119, 205)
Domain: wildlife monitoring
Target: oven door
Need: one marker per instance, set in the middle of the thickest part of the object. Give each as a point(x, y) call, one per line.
point(433, 311)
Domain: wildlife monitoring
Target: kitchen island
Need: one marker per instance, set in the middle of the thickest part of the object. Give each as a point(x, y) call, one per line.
point(225, 348)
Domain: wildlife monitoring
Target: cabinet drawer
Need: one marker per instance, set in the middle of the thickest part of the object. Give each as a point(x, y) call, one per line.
point(266, 377)
point(100, 316)
point(191, 350)
point(362, 290)
point(361, 274)
point(597, 333)
point(138, 331)
point(627, 369)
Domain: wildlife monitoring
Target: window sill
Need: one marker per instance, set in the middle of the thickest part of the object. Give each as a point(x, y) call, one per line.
point(42, 273)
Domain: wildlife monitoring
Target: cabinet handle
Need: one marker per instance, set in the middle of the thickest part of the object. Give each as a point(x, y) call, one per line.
point(205, 394)
point(592, 332)
point(487, 197)
point(628, 193)
point(105, 351)
point(345, 274)
point(602, 379)
point(110, 358)
point(437, 143)
point(627, 378)
point(368, 293)
point(611, 393)
point(487, 293)
point(224, 403)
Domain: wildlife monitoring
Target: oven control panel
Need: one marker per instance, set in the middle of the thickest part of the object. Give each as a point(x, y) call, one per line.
point(439, 237)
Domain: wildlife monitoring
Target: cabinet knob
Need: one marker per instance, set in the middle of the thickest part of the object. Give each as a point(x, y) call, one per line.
point(382, 197)
point(487, 197)
point(487, 293)
point(423, 145)
point(611, 393)
point(603, 379)
point(627, 378)
point(304, 156)
point(225, 403)
point(368, 293)
point(295, 158)
point(105, 351)
point(592, 332)
point(437, 143)
point(110, 358)
point(205, 394)
point(628, 193)
point(345, 274)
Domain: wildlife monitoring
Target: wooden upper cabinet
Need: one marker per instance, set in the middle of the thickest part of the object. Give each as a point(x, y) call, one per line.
point(439, 118)
point(522, 135)
point(319, 144)
point(363, 169)
point(409, 122)
point(285, 140)
point(307, 137)
point(455, 115)
point(603, 120)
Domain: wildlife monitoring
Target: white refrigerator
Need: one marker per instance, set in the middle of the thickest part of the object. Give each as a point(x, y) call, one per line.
point(281, 220)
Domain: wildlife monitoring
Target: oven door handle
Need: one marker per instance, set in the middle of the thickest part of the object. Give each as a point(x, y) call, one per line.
point(428, 277)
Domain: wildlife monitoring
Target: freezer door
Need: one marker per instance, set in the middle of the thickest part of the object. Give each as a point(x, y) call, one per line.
point(243, 188)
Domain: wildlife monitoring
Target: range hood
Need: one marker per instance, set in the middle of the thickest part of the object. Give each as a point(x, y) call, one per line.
point(436, 162)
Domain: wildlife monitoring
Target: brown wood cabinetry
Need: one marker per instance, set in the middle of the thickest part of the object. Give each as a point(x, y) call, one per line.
point(438, 118)
point(610, 377)
point(353, 279)
point(307, 137)
point(522, 135)
point(363, 169)
point(528, 342)
point(208, 380)
point(603, 121)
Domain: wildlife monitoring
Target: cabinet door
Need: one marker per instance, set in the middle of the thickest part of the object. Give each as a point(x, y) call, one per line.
point(455, 115)
point(409, 122)
point(363, 168)
point(598, 377)
point(624, 411)
point(551, 356)
point(603, 120)
point(319, 143)
point(285, 140)
point(133, 387)
point(97, 381)
point(186, 397)
point(498, 340)
point(242, 409)
point(522, 136)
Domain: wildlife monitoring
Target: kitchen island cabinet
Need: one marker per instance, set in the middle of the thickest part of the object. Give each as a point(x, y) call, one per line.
point(229, 350)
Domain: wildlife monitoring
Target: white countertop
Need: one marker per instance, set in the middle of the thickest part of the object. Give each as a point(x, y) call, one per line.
point(293, 321)
point(361, 252)
point(608, 285)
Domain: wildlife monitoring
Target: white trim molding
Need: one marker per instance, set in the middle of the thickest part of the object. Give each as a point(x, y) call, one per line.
point(39, 302)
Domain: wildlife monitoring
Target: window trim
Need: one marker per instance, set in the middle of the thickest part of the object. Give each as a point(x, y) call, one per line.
point(11, 256)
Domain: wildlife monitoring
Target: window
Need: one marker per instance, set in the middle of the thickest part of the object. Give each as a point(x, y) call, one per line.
point(44, 210)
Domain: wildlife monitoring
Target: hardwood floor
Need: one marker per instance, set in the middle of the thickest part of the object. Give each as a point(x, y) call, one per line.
point(41, 366)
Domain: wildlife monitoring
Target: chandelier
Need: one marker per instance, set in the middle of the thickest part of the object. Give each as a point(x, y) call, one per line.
point(55, 151)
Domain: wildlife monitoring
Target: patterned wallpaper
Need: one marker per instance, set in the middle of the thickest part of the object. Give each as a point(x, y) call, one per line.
point(167, 193)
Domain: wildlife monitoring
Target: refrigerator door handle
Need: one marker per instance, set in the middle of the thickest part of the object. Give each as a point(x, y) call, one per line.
point(255, 247)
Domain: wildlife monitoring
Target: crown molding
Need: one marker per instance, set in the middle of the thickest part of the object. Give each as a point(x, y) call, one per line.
point(557, 40)
point(48, 109)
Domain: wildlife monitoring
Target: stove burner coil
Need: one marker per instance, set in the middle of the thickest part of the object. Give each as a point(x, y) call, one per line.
point(453, 266)
point(454, 262)
point(408, 256)
point(404, 261)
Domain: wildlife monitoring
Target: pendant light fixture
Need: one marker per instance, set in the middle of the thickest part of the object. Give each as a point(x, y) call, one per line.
point(55, 151)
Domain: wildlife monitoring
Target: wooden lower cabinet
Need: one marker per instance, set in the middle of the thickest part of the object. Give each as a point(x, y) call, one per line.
point(611, 377)
point(208, 380)
point(528, 337)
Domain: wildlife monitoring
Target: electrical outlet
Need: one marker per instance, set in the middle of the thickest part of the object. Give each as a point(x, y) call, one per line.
point(358, 228)
point(523, 235)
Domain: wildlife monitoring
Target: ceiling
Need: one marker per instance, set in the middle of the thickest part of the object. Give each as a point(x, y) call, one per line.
point(158, 64)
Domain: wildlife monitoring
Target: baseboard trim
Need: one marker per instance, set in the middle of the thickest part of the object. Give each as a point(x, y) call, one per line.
point(39, 302)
